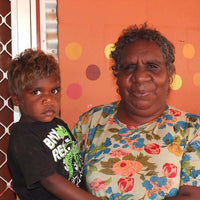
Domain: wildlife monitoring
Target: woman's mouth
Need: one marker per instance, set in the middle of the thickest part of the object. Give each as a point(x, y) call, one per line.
point(140, 93)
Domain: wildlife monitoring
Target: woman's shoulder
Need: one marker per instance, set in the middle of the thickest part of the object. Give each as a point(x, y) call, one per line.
point(107, 108)
point(98, 114)
point(182, 114)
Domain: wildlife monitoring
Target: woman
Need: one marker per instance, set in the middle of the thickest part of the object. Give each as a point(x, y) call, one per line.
point(141, 148)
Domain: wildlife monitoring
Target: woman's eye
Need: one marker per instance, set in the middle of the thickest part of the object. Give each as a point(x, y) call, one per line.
point(36, 92)
point(129, 68)
point(152, 67)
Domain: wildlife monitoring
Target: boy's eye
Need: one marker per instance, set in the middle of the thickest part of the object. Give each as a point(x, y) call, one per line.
point(55, 91)
point(36, 92)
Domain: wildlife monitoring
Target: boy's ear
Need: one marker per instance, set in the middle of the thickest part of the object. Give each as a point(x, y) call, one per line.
point(15, 100)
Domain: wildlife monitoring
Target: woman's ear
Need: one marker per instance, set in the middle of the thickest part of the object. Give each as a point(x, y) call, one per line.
point(15, 100)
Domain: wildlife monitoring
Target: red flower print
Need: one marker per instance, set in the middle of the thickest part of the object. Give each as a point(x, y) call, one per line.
point(152, 148)
point(97, 185)
point(169, 170)
point(175, 113)
point(84, 138)
point(125, 184)
point(111, 121)
point(119, 153)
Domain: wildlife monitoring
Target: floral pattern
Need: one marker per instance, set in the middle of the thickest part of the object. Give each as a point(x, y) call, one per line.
point(151, 161)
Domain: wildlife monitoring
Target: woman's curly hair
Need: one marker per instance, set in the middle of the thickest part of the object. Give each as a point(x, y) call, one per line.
point(134, 33)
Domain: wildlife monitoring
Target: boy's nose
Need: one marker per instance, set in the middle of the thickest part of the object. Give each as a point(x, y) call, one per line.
point(48, 100)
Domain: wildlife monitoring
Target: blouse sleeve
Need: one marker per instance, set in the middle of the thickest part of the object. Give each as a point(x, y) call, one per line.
point(190, 168)
point(77, 131)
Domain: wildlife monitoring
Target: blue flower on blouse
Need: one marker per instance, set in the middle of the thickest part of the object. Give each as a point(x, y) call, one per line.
point(186, 157)
point(161, 193)
point(160, 181)
point(108, 109)
point(120, 196)
point(181, 124)
point(91, 133)
point(153, 196)
point(109, 190)
point(196, 145)
point(125, 132)
point(168, 139)
point(147, 185)
point(194, 183)
point(195, 173)
point(184, 177)
point(140, 141)
point(167, 117)
point(190, 115)
point(107, 142)
point(173, 192)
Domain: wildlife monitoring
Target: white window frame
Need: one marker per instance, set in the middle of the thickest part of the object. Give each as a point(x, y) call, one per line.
point(24, 32)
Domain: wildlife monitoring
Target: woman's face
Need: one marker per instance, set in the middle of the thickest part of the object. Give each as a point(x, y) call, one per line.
point(142, 79)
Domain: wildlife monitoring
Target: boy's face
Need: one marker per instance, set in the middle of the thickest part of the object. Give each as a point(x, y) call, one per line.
point(40, 101)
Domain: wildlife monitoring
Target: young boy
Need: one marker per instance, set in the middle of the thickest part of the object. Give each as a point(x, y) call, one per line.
point(42, 154)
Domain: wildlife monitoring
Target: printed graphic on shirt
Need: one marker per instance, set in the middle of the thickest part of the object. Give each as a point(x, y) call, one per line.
point(63, 147)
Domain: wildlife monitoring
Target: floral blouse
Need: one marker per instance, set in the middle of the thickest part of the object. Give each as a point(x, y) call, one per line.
point(139, 163)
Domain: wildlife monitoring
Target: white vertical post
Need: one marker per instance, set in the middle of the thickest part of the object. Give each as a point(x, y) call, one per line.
point(23, 28)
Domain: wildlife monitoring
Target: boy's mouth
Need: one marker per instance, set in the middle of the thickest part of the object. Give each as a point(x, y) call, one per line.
point(49, 112)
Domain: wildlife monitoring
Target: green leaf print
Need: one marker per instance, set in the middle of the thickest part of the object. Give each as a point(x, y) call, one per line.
point(144, 160)
point(177, 139)
point(107, 171)
point(91, 169)
point(117, 137)
point(129, 157)
point(113, 130)
point(109, 163)
point(198, 154)
point(187, 167)
point(98, 133)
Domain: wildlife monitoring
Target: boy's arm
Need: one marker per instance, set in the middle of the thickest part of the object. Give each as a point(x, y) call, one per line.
point(64, 189)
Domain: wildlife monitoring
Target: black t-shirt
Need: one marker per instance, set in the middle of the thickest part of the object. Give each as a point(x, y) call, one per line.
point(37, 150)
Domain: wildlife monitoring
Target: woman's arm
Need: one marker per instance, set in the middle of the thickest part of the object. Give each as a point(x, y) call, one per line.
point(64, 189)
point(187, 192)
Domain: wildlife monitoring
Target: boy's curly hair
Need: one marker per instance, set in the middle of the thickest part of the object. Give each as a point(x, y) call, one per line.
point(28, 66)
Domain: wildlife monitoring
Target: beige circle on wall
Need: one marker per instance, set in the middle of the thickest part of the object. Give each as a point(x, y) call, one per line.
point(73, 50)
point(196, 79)
point(109, 47)
point(177, 82)
point(188, 51)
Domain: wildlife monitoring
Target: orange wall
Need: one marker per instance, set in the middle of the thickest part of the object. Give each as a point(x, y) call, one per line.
point(87, 27)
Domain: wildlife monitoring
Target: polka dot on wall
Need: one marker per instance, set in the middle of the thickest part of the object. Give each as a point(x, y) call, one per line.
point(93, 72)
point(196, 79)
point(73, 51)
point(177, 82)
point(74, 91)
point(188, 51)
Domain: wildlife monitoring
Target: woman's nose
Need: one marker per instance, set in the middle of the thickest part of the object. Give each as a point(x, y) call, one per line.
point(141, 74)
